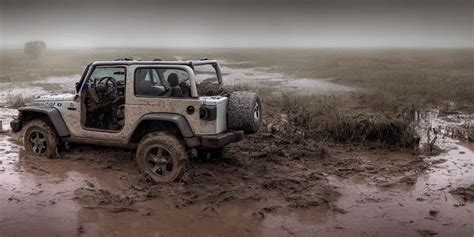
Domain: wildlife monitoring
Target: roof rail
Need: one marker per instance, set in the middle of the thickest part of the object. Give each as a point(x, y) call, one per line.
point(124, 59)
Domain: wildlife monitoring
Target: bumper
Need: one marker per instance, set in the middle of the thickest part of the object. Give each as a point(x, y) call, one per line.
point(220, 140)
point(15, 125)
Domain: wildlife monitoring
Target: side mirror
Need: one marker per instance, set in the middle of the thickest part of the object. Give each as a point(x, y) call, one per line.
point(78, 87)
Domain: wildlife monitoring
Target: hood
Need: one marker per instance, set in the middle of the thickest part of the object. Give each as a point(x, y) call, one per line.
point(56, 97)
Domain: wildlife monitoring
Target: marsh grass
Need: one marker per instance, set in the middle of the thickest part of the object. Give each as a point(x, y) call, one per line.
point(340, 117)
point(16, 100)
point(335, 117)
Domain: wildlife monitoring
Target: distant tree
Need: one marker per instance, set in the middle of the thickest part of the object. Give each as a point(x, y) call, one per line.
point(35, 49)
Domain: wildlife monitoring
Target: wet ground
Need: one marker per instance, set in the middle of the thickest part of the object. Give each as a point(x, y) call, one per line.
point(262, 187)
point(420, 206)
point(265, 77)
point(96, 191)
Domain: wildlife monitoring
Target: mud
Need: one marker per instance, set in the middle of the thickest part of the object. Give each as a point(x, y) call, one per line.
point(411, 204)
point(258, 189)
point(266, 185)
point(263, 187)
point(467, 194)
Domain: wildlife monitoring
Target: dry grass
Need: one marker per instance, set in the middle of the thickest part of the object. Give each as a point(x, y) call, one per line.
point(16, 101)
point(340, 118)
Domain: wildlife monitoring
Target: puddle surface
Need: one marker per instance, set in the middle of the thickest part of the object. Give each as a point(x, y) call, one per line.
point(404, 210)
point(424, 207)
point(32, 202)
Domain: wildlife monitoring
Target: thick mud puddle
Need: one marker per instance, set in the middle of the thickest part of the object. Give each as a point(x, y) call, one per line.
point(32, 201)
point(71, 196)
point(423, 207)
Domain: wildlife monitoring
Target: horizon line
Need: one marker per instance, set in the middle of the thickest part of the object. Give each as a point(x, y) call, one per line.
point(237, 47)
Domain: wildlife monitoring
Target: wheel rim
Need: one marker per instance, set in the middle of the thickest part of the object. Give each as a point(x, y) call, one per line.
point(37, 141)
point(159, 161)
point(256, 113)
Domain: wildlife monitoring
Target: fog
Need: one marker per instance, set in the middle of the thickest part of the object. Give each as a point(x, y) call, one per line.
point(277, 23)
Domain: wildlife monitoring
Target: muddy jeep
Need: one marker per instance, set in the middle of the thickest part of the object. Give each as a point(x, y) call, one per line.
point(163, 109)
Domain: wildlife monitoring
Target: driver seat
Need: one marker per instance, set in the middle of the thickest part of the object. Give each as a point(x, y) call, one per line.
point(175, 90)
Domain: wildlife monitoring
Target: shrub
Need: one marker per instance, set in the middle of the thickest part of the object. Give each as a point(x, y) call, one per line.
point(35, 49)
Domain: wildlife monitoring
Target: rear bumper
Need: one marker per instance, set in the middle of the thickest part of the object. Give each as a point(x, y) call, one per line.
point(218, 140)
point(15, 125)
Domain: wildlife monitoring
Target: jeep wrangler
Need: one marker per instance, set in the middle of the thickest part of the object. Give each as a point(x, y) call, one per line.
point(161, 109)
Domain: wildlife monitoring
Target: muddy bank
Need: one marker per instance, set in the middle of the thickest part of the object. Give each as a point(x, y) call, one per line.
point(466, 193)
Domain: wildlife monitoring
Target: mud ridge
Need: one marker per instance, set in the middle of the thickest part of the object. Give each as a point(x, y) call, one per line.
point(466, 193)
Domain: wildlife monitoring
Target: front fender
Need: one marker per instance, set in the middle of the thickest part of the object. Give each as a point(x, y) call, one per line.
point(52, 113)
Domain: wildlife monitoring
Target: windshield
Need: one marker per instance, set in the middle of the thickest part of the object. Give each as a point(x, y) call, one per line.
point(84, 74)
point(118, 73)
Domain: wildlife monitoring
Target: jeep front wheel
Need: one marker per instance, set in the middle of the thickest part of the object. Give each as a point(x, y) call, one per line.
point(161, 156)
point(40, 139)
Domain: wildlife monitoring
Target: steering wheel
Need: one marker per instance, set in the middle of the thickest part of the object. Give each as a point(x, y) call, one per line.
point(106, 89)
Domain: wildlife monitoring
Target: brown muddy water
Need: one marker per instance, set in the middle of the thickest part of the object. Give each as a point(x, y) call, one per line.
point(52, 197)
point(72, 196)
point(94, 191)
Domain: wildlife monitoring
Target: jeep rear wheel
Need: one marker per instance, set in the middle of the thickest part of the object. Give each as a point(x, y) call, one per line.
point(244, 112)
point(161, 156)
point(40, 139)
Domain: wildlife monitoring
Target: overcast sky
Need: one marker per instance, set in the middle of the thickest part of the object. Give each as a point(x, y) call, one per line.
point(270, 23)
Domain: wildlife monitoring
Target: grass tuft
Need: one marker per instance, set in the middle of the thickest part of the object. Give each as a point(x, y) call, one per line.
point(16, 100)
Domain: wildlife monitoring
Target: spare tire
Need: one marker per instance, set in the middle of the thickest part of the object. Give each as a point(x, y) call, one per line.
point(244, 112)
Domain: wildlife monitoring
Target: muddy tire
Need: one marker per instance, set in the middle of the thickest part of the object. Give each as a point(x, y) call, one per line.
point(161, 156)
point(244, 112)
point(40, 139)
